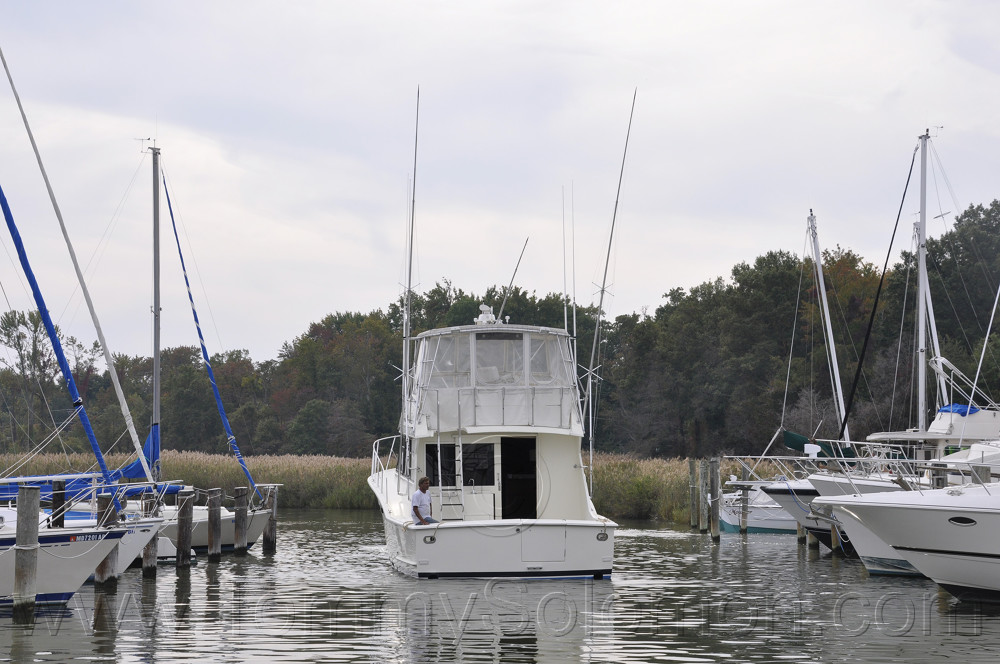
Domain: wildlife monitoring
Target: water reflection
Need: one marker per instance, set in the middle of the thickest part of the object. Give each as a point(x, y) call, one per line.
point(328, 594)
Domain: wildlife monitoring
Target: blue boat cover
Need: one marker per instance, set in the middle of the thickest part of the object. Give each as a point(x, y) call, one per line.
point(959, 408)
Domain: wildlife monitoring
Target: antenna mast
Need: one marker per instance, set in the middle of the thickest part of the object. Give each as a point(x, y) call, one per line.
point(600, 305)
point(511, 285)
point(409, 288)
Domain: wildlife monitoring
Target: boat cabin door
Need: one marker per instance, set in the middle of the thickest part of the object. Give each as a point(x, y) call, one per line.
point(518, 478)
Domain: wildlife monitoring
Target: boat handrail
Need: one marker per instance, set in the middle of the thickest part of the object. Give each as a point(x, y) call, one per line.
point(378, 465)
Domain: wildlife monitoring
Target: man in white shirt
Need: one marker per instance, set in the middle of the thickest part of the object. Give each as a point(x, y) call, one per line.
point(422, 503)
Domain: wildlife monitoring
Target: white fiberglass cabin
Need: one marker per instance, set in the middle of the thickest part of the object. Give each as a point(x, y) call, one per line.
point(492, 416)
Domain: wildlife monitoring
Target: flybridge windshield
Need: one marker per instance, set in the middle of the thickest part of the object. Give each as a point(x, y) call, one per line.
point(495, 359)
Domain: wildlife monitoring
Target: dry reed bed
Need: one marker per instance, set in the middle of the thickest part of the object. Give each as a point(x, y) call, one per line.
point(625, 486)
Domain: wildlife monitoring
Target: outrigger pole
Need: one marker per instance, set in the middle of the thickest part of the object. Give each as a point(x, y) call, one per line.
point(600, 304)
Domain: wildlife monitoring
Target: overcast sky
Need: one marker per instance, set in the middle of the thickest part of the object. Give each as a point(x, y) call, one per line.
point(287, 135)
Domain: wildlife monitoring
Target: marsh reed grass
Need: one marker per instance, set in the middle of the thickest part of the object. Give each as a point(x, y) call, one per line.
point(625, 487)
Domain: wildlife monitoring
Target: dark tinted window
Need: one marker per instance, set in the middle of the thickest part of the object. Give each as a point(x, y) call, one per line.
point(447, 465)
point(477, 465)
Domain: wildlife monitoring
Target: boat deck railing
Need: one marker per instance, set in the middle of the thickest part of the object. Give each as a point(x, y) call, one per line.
point(385, 457)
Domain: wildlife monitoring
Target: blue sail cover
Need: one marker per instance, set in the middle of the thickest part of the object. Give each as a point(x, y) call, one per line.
point(961, 409)
point(134, 471)
point(43, 311)
point(230, 438)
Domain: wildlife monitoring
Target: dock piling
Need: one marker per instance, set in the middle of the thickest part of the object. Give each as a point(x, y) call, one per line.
point(703, 500)
point(270, 543)
point(693, 488)
point(214, 525)
point(745, 501)
point(150, 507)
point(107, 516)
point(26, 554)
point(185, 521)
point(240, 546)
point(715, 482)
point(58, 518)
point(981, 474)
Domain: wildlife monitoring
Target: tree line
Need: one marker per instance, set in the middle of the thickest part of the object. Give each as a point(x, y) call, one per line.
point(715, 368)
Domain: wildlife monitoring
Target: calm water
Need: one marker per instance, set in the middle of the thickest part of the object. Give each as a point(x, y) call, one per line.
point(328, 595)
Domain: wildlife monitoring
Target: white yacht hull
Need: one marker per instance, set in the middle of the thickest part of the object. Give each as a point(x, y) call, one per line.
point(66, 558)
point(524, 548)
point(877, 556)
point(950, 535)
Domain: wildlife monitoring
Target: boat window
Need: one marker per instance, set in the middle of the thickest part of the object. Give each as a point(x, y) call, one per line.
point(477, 465)
point(499, 358)
point(447, 466)
point(549, 361)
point(444, 362)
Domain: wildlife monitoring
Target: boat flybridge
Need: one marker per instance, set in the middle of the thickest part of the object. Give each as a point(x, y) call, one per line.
point(492, 417)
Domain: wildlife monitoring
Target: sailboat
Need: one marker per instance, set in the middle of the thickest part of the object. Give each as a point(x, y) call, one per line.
point(257, 518)
point(972, 422)
point(75, 552)
point(795, 493)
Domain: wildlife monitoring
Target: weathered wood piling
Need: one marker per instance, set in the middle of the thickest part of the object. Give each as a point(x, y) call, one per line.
point(107, 516)
point(185, 521)
point(693, 491)
point(58, 514)
point(703, 500)
point(150, 553)
point(240, 543)
point(214, 525)
point(715, 497)
point(26, 554)
point(981, 474)
point(744, 501)
point(270, 543)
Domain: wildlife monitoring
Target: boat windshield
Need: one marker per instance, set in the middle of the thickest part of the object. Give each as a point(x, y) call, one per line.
point(495, 359)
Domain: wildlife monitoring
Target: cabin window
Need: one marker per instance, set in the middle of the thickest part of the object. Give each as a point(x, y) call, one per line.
point(477, 465)
point(444, 362)
point(446, 452)
point(499, 358)
point(549, 361)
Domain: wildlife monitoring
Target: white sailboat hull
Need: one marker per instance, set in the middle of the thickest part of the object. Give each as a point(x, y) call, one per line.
point(256, 522)
point(764, 514)
point(66, 558)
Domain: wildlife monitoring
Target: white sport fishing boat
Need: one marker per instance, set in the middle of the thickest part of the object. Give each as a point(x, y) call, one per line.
point(492, 416)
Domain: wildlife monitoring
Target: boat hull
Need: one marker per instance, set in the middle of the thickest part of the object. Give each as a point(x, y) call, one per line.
point(952, 536)
point(764, 515)
point(877, 556)
point(545, 548)
point(66, 558)
point(256, 522)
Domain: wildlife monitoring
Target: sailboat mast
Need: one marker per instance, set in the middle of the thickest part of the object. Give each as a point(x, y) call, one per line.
point(922, 290)
point(155, 427)
point(827, 326)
